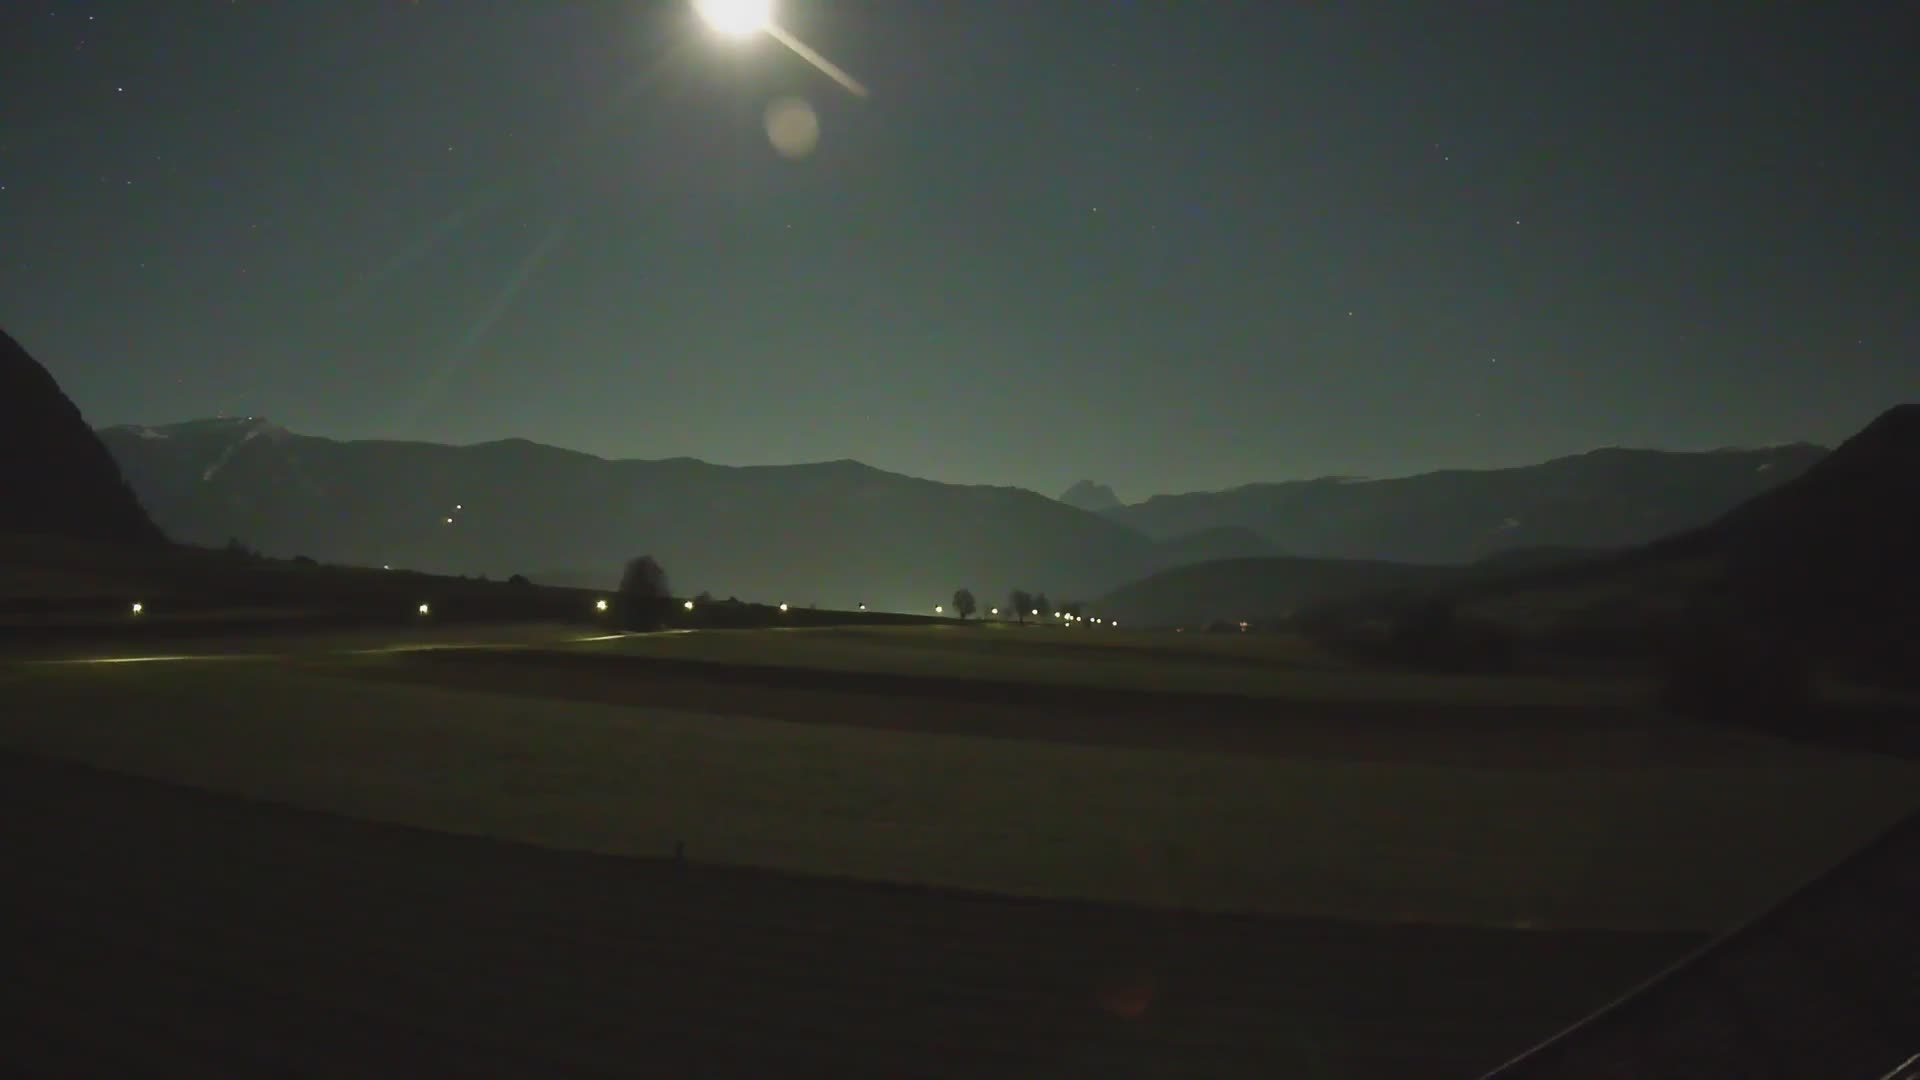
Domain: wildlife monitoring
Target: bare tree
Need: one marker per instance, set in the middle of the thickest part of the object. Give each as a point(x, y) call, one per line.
point(1040, 604)
point(963, 603)
point(1020, 600)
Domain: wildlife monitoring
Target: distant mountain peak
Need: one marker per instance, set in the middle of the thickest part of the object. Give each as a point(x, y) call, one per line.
point(1087, 495)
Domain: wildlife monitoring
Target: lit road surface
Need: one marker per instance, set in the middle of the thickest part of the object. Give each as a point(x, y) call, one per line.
point(280, 642)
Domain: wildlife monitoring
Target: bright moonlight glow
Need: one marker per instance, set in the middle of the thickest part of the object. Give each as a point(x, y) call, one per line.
point(736, 18)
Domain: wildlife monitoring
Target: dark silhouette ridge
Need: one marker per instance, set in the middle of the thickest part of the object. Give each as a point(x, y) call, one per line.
point(1608, 498)
point(1834, 555)
point(56, 476)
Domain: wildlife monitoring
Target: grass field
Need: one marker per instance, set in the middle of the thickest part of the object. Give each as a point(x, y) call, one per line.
point(930, 850)
point(164, 930)
point(1674, 829)
point(1262, 665)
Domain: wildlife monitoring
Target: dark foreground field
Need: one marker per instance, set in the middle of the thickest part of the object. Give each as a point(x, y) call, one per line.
point(161, 929)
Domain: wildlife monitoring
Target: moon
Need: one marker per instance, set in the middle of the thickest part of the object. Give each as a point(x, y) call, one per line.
point(736, 18)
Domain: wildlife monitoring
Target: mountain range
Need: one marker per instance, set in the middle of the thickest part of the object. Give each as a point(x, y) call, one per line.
point(1605, 498)
point(56, 479)
point(842, 533)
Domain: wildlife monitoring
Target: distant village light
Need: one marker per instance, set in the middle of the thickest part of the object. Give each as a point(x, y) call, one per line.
point(425, 609)
point(599, 605)
point(783, 607)
point(939, 609)
point(688, 605)
point(137, 607)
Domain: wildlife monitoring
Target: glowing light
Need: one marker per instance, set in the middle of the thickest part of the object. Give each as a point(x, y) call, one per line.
point(996, 611)
point(863, 607)
point(449, 521)
point(736, 18)
point(599, 605)
point(939, 609)
point(688, 605)
point(426, 609)
point(792, 127)
point(783, 607)
point(1035, 611)
point(137, 607)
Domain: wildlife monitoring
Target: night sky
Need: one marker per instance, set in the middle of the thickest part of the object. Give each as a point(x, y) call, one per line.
point(1164, 245)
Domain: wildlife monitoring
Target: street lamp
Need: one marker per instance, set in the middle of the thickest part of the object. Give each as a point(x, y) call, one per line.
point(599, 605)
point(688, 605)
point(783, 607)
point(425, 609)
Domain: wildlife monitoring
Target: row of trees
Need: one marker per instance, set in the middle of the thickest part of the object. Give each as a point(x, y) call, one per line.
point(646, 595)
point(1020, 603)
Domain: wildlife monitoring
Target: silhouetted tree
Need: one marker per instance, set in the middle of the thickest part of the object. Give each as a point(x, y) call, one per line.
point(240, 552)
point(1021, 601)
point(1072, 607)
point(963, 603)
point(304, 560)
point(644, 577)
point(518, 579)
point(645, 597)
point(1040, 604)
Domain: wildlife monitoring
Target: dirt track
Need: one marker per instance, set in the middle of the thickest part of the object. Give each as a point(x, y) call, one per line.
point(161, 929)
